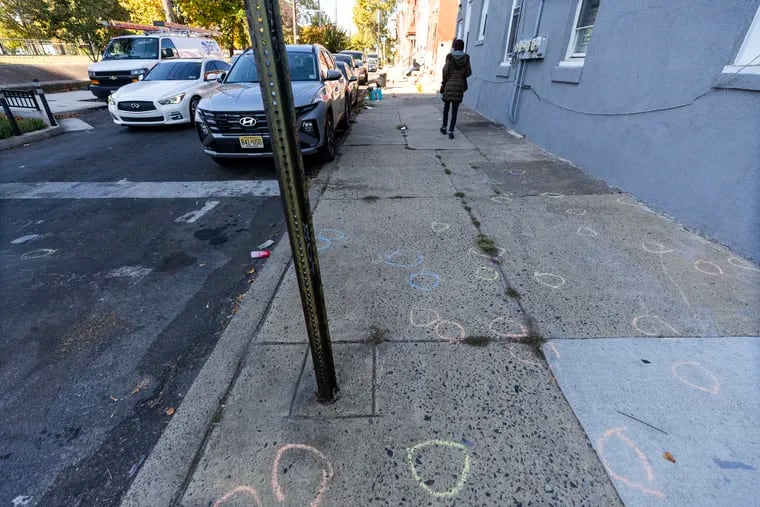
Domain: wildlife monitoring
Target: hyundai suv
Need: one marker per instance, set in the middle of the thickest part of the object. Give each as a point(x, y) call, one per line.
point(232, 122)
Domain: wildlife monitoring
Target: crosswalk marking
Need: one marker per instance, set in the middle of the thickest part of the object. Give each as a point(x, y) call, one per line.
point(139, 189)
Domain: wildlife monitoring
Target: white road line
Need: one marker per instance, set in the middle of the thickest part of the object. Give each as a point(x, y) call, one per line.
point(192, 216)
point(139, 189)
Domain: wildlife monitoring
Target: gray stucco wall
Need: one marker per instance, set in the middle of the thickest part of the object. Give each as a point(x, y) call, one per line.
point(700, 162)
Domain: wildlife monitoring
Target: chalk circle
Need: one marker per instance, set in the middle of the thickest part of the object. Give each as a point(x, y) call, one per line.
point(656, 248)
point(708, 268)
point(487, 274)
point(323, 244)
point(240, 491)
point(424, 280)
point(551, 195)
point(578, 212)
point(517, 172)
point(24, 239)
point(742, 264)
point(439, 226)
point(463, 475)
point(501, 199)
point(586, 231)
point(650, 325)
point(683, 369)
point(529, 362)
point(507, 328)
point(450, 331)
point(327, 471)
point(499, 253)
point(619, 434)
point(330, 234)
point(404, 258)
point(549, 279)
point(423, 317)
point(36, 254)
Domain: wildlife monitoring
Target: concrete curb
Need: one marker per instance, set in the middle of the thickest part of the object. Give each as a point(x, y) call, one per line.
point(30, 137)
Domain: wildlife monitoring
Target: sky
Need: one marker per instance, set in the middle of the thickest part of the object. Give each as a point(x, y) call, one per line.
point(345, 12)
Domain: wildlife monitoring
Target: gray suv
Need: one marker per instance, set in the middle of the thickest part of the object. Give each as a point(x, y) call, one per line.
point(232, 122)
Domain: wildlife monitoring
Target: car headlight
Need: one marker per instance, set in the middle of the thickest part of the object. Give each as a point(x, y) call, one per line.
point(110, 100)
point(172, 100)
point(138, 72)
point(91, 74)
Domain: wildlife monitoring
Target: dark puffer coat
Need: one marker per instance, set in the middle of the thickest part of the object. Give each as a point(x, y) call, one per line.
point(456, 70)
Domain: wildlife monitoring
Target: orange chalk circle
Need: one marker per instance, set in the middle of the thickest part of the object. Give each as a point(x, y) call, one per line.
point(505, 327)
point(549, 279)
point(450, 331)
point(650, 325)
point(243, 490)
point(619, 433)
point(680, 365)
point(462, 476)
point(742, 264)
point(708, 268)
point(428, 315)
point(327, 472)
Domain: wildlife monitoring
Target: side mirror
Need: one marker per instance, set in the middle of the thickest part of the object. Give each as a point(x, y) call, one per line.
point(220, 77)
point(212, 76)
point(333, 75)
point(168, 53)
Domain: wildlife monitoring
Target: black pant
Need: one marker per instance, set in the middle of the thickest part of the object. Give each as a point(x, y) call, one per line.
point(454, 110)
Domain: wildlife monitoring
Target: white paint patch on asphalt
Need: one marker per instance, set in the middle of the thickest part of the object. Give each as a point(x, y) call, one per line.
point(24, 239)
point(195, 215)
point(74, 124)
point(21, 500)
point(139, 189)
point(137, 273)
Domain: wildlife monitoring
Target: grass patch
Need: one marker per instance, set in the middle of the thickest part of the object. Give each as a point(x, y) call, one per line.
point(447, 171)
point(467, 209)
point(513, 294)
point(377, 335)
point(217, 417)
point(459, 194)
point(486, 245)
point(25, 124)
point(477, 341)
point(535, 341)
point(476, 222)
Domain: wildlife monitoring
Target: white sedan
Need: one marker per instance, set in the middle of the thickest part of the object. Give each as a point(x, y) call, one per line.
point(168, 94)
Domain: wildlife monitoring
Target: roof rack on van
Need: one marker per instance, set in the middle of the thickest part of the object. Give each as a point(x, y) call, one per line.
point(163, 27)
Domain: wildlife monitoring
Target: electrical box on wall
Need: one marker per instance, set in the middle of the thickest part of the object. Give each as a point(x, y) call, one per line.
point(531, 49)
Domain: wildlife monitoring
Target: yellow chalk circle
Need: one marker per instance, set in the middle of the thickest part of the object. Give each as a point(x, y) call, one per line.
point(462, 476)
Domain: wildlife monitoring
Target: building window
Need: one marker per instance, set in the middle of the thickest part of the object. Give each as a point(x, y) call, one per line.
point(585, 17)
point(749, 53)
point(483, 20)
point(512, 29)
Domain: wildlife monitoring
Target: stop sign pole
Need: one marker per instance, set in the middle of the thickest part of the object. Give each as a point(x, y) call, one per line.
point(265, 26)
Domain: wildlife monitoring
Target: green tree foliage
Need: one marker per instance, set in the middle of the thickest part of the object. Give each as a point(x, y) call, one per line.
point(371, 33)
point(78, 21)
point(23, 19)
point(329, 35)
point(144, 11)
point(227, 16)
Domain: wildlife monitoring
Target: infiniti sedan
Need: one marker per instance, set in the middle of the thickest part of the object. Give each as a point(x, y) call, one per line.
point(232, 122)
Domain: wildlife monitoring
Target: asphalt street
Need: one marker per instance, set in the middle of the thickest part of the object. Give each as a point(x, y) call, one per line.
point(113, 295)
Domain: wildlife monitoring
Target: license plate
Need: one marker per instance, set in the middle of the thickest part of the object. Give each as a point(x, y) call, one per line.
point(251, 142)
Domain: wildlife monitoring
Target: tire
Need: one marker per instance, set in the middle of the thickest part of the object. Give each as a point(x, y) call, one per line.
point(327, 151)
point(345, 122)
point(193, 106)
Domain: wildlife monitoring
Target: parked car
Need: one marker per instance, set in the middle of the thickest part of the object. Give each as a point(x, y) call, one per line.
point(232, 123)
point(352, 86)
point(168, 94)
point(373, 62)
point(360, 64)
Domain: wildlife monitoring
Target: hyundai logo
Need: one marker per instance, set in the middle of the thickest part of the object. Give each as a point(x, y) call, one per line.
point(134, 105)
point(247, 121)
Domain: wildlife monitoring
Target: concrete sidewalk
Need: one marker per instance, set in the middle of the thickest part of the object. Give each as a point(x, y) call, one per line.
point(463, 379)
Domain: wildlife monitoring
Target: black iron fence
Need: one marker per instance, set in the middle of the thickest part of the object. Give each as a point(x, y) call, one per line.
point(29, 98)
point(36, 47)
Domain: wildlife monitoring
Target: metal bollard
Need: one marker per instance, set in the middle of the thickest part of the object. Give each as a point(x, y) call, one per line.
point(11, 119)
point(51, 119)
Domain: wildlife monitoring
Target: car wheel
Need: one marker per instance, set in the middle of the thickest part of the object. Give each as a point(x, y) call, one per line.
point(345, 122)
point(193, 106)
point(327, 151)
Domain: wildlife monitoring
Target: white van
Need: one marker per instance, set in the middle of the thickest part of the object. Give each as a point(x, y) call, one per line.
point(127, 58)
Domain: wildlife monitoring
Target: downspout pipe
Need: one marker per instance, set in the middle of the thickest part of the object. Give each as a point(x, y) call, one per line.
point(521, 70)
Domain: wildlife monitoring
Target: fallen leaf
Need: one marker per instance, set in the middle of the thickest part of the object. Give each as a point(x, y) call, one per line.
point(170, 411)
point(113, 398)
point(251, 271)
point(141, 385)
point(668, 457)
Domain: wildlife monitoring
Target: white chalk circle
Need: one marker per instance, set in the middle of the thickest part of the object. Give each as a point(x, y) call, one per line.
point(487, 274)
point(462, 476)
point(450, 331)
point(439, 226)
point(507, 328)
point(36, 254)
point(25, 239)
point(656, 248)
point(517, 172)
point(586, 231)
point(578, 212)
point(708, 268)
point(549, 279)
point(423, 317)
point(653, 325)
point(499, 253)
point(742, 264)
point(404, 258)
point(502, 199)
point(551, 195)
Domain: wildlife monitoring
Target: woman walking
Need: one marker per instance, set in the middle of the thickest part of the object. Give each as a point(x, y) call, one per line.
point(456, 70)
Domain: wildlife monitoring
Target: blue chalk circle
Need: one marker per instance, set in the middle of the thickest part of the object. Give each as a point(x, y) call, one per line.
point(404, 260)
point(330, 234)
point(323, 244)
point(436, 279)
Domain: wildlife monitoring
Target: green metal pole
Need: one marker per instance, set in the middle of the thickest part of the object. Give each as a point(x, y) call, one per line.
point(265, 26)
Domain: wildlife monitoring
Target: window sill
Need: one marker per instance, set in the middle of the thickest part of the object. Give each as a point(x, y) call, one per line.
point(567, 73)
point(734, 77)
point(576, 62)
point(480, 42)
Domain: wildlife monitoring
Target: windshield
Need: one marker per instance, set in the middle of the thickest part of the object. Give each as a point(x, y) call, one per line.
point(132, 48)
point(302, 68)
point(174, 71)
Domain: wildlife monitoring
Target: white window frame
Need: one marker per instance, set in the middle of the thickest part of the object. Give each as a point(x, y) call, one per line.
point(747, 60)
point(483, 20)
point(516, 4)
point(572, 58)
